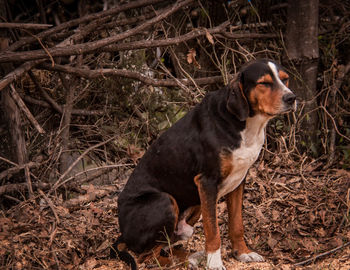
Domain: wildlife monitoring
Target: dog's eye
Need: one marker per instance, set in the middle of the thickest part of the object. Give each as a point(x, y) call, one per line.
point(285, 81)
point(266, 84)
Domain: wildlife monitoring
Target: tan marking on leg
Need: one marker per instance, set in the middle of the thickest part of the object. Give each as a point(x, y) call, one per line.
point(176, 211)
point(234, 202)
point(194, 215)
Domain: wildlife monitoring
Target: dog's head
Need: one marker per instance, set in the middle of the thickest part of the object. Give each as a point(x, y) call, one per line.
point(260, 87)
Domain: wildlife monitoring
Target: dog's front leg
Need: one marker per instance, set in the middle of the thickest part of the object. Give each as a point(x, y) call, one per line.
point(234, 202)
point(208, 196)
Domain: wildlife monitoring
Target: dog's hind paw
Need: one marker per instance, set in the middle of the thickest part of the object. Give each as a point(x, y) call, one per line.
point(250, 257)
point(196, 259)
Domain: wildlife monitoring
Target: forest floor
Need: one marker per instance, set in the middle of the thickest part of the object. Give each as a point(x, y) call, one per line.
point(291, 213)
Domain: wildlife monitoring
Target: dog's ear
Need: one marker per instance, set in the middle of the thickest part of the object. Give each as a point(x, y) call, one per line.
point(237, 103)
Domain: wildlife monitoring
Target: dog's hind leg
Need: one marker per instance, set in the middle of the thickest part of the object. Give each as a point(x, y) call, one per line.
point(185, 225)
point(147, 220)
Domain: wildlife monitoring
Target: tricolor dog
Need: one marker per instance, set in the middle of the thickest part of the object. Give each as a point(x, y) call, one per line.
point(201, 158)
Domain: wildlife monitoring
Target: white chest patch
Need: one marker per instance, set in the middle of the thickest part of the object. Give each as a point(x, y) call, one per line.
point(253, 137)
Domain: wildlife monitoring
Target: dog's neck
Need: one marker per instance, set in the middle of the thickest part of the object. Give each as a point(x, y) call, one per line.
point(254, 131)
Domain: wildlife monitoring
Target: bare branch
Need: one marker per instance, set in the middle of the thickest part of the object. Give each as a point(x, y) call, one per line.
point(100, 73)
point(72, 23)
point(24, 109)
point(103, 44)
point(91, 46)
point(9, 172)
point(25, 25)
point(18, 72)
point(59, 107)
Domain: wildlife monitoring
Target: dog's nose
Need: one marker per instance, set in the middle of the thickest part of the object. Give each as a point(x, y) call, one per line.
point(289, 98)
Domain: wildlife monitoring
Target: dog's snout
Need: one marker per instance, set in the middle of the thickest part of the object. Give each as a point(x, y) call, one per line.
point(289, 98)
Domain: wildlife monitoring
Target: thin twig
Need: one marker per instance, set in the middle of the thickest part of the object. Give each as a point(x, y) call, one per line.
point(322, 254)
point(59, 181)
point(49, 202)
point(29, 181)
point(24, 108)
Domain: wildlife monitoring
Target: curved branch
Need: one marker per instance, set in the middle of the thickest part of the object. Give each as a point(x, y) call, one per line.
point(142, 44)
point(91, 46)
point(72, 23)
point(100, 73)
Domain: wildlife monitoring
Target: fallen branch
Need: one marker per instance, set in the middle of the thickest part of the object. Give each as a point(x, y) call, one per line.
point(59, 108)
point(104, 44)
point(91, 195)
point(24, 109)
point(13, 75)
point(322, 254)
point(51, 205)
point(100, 73)
point(61, 180)
point(94, 45)
point(25, 25)
point(11, 188)
point(143, 44)
point(9, 172)
point(75, 22)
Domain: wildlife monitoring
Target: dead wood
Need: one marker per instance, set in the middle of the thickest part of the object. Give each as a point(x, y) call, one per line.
point(92, 194)
point(100, 73)
point(9, 172)
point(59, 108)
point(25, 110)
point(61, 181)
point(17, 73)
point(69, 85)
point(314, 258)
point(87, 18)
point(19, 187)
point(25, 25)
point(104, 44)
point(94, 45)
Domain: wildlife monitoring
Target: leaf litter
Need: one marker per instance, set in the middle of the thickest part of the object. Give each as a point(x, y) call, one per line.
point(288, 218)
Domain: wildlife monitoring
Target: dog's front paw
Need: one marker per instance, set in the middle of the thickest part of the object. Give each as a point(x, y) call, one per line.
point(221, 267)
point(214, 261)
point(250, 257)
point(198, 260)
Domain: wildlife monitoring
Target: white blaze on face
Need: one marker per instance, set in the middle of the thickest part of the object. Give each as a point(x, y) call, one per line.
point(273, 68)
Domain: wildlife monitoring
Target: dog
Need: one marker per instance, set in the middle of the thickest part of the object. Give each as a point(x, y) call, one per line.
point(203, 157)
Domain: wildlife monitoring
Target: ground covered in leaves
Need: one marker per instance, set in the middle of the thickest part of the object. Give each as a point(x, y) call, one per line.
point(291, 213)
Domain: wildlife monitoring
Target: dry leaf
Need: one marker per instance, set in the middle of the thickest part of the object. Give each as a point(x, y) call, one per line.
point(134, 152)
point(310, 245)
point(209, 36)
point(321, 232)
point(275, 215)
point(191, 58)
point(272, 242)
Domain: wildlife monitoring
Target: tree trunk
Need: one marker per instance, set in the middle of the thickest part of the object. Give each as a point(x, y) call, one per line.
point(302, 51)
point(11, 112)
point(69, 85)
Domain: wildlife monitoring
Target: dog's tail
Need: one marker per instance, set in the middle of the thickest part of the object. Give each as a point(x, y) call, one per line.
point(119, 250)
